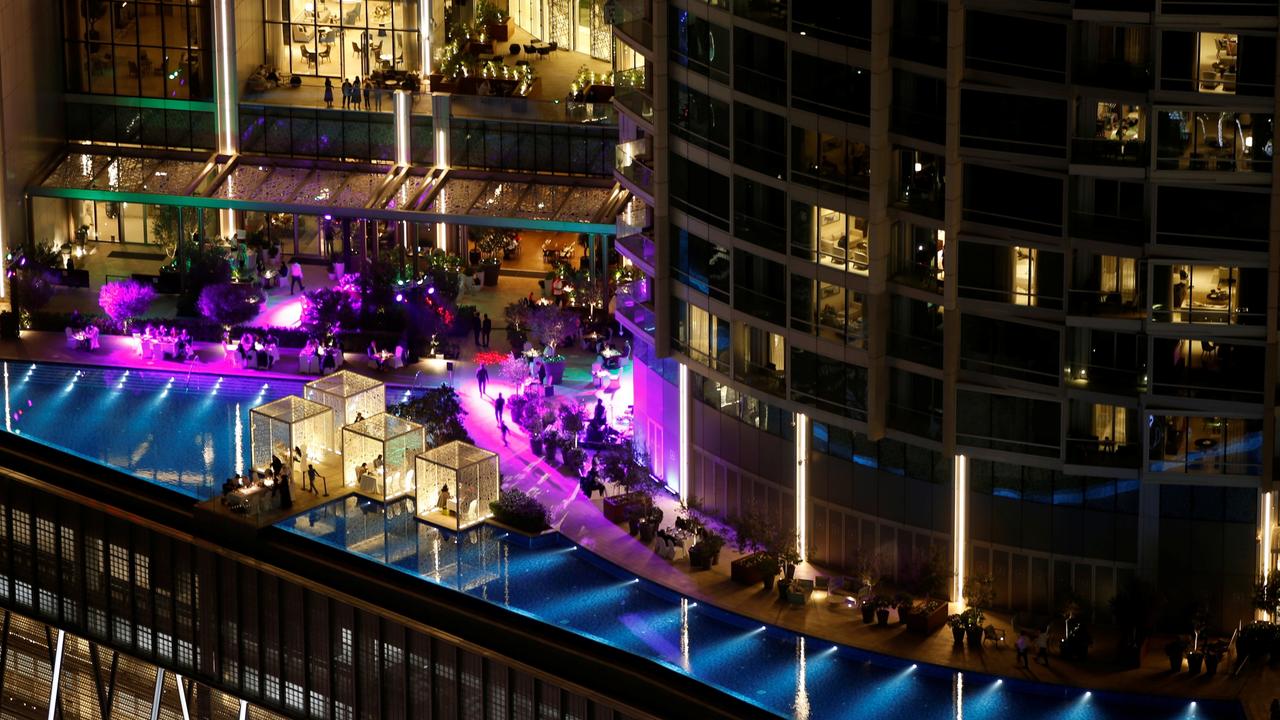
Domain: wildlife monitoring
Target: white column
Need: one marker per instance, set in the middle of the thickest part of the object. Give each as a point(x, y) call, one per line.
point(401, 103)
point(959, 524)
point(182, 697)
point(440, 126)
point(224, 56)
point(802, 485)
point(1266, 530)
point(155, 696)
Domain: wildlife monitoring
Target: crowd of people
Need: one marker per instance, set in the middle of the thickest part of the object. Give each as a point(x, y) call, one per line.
point(275, 477)
point(254, 350)
point(184, 348)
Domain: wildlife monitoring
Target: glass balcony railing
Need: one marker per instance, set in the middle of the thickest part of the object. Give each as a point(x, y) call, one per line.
point(633, 161)
point(1111, 228)
point(638, 314)
point(1098, 151)
point(1095, 303)
point(637, 33)
point(638, 246)
point(1103, 453)
point(635, 101)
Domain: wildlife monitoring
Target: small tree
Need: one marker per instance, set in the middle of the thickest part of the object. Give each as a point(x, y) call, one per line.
point(324, 310)
point(550, 324)
point(230, 303)
point(1266, 594)
point(572, 419)
point(439, 411)
point(866, 567)
point(492, 242)
point(979, 593)
point(124, 300)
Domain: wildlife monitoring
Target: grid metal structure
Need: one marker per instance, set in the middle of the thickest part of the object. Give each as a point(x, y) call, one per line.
point(290, 422)
point(351, 395)
point(470, 473)
point(385, 446)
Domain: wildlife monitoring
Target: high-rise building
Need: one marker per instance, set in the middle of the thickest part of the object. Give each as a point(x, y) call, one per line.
point(919, 266)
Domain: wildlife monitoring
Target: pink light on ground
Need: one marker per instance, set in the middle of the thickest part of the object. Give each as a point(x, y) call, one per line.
point(286, 313)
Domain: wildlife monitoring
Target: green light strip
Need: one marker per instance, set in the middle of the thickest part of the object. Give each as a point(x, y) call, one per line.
point(142, 102)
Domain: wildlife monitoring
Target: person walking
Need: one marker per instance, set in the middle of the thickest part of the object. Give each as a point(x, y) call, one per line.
point(498, 405)
point(1042, 648)
point(368, 88)
point(355, 94)
point(476, 327)
point(295, 276)
point(502, 428)
point(486, 327)
point(1022, 645)
point(482, 378)
point(328, 93)
point(346, 93)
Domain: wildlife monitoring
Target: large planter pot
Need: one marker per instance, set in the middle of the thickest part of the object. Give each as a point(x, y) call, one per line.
point(926, 623)
point(974, 634)
point(1211, 661)
point(647, 531)
point(882, 616)
point(555, 371)
point(1175, 661)
point(499, 31)
point(782, 589)
point(699, 559)
point(768, 582)
point(616, 507)
point(746, 570)
point(1194, 660)
point(535, 446)
point(868, 614)
point(957, 634)
point(490, 273)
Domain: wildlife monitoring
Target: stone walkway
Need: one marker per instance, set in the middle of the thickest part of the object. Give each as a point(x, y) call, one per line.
point(582, 520)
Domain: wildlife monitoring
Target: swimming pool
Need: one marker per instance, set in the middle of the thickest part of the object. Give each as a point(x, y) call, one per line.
point(190, 433)
point(787, 674)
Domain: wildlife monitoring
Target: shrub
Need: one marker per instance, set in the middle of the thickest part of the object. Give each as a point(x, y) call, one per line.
point(124, 300)
point(324, 310)
point(440, 413)
point(519, 510)
point(550, 324)
point(230, 303)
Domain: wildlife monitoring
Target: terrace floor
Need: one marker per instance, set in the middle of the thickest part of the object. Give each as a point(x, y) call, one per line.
point(581, 520)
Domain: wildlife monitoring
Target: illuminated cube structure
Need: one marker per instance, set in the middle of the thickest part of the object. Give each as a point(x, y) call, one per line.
point(290, 422)
point(470, 473)
point(349, 394)
point(392, 439)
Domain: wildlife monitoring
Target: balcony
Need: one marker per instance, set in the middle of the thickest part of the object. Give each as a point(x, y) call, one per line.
point(633, 165)
point(765, 378)
point(1109, 228)
point(1205, 445)
point(1115, 74)
point(636, 32)
point(636, 102)
point(1119, 153)
point(638, 247)
point(639, 316)
point(1095, 303)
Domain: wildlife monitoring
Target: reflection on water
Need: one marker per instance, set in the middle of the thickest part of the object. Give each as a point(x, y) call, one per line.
point(790, 675)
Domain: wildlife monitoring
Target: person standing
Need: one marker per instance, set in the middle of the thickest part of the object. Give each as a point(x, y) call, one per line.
point(355, 94)
point(328, 93)
point(346, 93)
point(498, 405)
point(476, 327)
point(368, 88)
point(482, 377)
point(377, 97)
point(295, 276)
point(1042, 648)
point(1022, 646)
point(486, 327)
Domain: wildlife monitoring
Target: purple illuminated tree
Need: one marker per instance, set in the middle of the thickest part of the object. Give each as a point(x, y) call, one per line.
point(124, 300)
point(550, 324)
point(230, 303)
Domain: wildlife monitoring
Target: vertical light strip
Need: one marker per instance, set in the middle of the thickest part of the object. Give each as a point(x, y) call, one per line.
point(225, 77)
point(57, 676)
point(442, 147)
point(683, 481)
point(959, 524)
point(244, 710)
point(182, 697)
point(155, 697)
point(802, 484)
point(1265, 564)
point(424, 37)
point(402, 110)
point(8, 412)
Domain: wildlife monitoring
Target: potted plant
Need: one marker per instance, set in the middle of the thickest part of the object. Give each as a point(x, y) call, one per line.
point(866, 567)
point(783, 585)
point(1194, 659)
point(1174, 651)
point(490, 244)
point(882, 610)
point(714, 543)
point(869, 610)
point(956, 623)
point(768, 572)
point(572, 420)
point(1213, 653)
point(750, 532)
point(903, 602)
point(973, 618)
point(550, 325)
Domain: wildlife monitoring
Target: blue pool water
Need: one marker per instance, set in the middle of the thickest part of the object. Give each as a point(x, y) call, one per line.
point(790, 675)
point(181, 432)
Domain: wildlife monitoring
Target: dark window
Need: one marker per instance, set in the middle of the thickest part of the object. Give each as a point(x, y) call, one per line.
point(701, 46)
point(1009, 349)
point(847, 23)
point(1013, 123)
point(831, 89)
point(1004, 422)
point(760, 287)
point(915, 404)
point(768, 12)
point(760, 214)
point(1238, 220)
point(1013, 45)
point(760, 66)
point(828, 384)
point(700, 119)
point(919, 106)
point(699, 191)
point(1021, 201)
point(140, 49)
point(920, 31)
point(702, 265)
point(830, 162)
point(760, 140)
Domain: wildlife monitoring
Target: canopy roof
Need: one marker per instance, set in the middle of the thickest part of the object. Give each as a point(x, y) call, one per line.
point(344, 383)
point(456, 454)
point(291, 409)
point(383, 426)
point(424, 195)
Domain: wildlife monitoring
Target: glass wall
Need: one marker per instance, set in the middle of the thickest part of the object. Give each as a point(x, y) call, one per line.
point(1221, 141)
point(830, 237)
point(342, 38)
point(150, 127)
point(1208, 294)
point(58, 221)
point(532, 147)
point(312, 133)
point(141, 49)
point(1210, 445)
